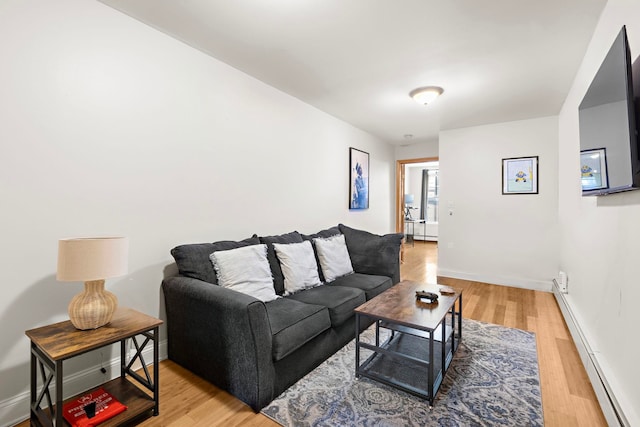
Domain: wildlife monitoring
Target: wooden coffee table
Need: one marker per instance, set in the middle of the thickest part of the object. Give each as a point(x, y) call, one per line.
point(423, 338)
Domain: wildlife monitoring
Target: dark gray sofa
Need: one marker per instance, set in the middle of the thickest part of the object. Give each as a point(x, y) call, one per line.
point(256, 350)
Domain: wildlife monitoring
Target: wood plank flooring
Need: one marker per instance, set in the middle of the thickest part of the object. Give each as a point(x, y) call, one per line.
point(567, 396)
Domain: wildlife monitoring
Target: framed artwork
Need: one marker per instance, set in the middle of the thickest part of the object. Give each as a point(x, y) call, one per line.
point(593, 169)
point(358, 179)
point(520, 175)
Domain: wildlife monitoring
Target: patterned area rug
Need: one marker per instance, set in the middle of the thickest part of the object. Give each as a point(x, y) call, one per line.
point(493, 380)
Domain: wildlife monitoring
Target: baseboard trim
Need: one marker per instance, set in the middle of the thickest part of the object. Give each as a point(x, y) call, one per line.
point(516, 282)
point(608, 402)
point(16, 409)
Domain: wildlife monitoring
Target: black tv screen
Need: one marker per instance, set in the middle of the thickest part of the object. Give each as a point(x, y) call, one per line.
point(608, 138)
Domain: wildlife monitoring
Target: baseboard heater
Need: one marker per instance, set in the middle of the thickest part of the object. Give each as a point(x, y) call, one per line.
point(608, 402)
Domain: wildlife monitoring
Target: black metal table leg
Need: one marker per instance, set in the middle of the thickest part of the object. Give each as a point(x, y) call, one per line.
point(357, 344)
point(156, 370)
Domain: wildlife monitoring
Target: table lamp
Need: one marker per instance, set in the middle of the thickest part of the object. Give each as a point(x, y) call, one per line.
point(92, 260)
point(408, 201)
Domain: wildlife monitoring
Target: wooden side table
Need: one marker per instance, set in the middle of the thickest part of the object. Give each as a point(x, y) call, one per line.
point(53, 344)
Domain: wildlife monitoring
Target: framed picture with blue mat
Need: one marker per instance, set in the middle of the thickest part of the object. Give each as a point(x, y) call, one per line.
point(358, 179)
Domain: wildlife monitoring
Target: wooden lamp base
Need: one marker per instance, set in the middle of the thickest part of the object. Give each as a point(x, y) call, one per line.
point(92, 308)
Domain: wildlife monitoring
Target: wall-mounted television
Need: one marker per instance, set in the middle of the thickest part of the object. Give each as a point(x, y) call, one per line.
point(609, 151)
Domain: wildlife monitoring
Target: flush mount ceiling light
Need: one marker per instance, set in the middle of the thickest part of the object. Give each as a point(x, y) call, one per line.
point(425, 95)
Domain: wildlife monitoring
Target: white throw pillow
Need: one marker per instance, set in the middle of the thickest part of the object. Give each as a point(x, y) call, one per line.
point(334, 257)
point(245, 270)
point(298, 265)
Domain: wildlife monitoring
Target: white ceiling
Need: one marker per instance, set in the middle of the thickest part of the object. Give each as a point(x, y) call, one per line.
point(497, 60)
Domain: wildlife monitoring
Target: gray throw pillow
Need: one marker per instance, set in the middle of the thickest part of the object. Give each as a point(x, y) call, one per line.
point(298, 265)
point(329, 232)
point(193, 259)
point(333, 256)
point(245, 270)
point(278, 277)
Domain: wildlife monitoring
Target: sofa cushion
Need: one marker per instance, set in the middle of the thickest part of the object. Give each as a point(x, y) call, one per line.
point(245, 270)
point(298, 264)
point(333, 256)
point(372, 285)
point(340, 300)
point(193, 259)
point(278, 278)
point(293, 324)
point(373, 254)
point(329, 232)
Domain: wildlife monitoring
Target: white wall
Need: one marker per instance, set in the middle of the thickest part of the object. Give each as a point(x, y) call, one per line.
point(487, 236)
point(600, 236)
point(413, 185)
point(108, 126)
point(417, 150)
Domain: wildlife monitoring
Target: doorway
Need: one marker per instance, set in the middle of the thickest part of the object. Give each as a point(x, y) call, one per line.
point(417, 198)
point(419, 261)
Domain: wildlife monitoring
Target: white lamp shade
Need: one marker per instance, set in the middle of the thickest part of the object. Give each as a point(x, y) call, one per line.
point(408, 199)
point(86, 259)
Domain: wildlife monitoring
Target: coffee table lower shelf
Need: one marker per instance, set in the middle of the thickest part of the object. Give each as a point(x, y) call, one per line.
point(395, 363)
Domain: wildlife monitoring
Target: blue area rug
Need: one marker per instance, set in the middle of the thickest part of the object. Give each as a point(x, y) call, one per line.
point(492, 381)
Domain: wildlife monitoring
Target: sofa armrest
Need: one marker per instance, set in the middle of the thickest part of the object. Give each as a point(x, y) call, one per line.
point(372, 253)
point(221, 335)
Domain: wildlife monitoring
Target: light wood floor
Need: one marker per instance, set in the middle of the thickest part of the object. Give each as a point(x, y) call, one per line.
point(567, 396)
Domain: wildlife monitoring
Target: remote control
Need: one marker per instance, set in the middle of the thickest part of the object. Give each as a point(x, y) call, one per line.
point(446, 290)
point(427, 295)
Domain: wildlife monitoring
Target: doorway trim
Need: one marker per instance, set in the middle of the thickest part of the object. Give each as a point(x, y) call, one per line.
point(400, 164)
